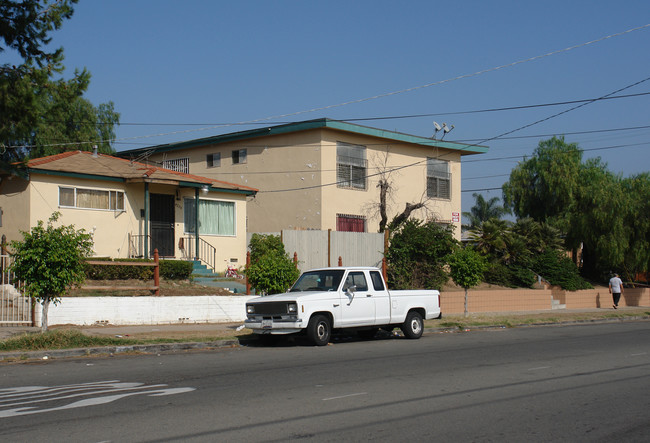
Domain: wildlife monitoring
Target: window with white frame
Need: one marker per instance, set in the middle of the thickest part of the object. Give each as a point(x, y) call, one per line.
point(438, 179)
point(84, 198)
point(178, 165)
point(213, 160)
point(215, 217)
point(351, 166)
point(239, 156)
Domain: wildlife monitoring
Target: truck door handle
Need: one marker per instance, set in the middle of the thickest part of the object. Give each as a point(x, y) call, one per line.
point(336, 305)
point(368, 295)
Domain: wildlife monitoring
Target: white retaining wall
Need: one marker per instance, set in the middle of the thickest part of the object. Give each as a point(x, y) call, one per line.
point(145, 310)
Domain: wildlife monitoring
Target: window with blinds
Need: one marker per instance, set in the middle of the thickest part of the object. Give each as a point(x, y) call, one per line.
point(83, 198)
point(438, 179)
point(351, 166)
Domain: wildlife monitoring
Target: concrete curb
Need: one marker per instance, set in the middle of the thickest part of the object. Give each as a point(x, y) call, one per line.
point(19, 356)
point(158, 348)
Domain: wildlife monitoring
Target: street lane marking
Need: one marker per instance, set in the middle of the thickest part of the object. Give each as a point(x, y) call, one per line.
point(345, 396)
point(27, 400)
point(539, 368)
point(636, 355)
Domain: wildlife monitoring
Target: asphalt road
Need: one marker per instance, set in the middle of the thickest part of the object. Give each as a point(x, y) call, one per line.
point(570, 383)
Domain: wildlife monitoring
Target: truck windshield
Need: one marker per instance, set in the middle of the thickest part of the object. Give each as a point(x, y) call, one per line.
point(327, 280)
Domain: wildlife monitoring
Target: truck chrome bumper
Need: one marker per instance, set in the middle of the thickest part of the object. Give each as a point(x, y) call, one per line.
point(274, 326)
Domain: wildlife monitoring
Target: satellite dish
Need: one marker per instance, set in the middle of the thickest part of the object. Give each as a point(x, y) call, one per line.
point(446, 129)
point(438, 128)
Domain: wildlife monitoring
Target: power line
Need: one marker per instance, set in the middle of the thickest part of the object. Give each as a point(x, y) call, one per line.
point(304, 188)
point(565, 111)
point(595, 131)
point(390, 117)
point(402, 91)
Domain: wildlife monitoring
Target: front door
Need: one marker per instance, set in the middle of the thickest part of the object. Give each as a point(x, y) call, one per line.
point(162, 224)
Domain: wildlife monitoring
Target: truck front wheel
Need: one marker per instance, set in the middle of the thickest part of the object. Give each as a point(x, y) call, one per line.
point(319, 330)
point(413, 326)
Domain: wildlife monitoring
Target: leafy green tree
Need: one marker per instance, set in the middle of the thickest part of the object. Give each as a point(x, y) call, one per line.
point(50, 260)
point(637, 255)
point(261, 244)
point(594, 208)
point(544, 186)
point(271, 271)
point(558, 269)
point(466, 268)
point(483, 211)
point(416, 255)
point(39, 115)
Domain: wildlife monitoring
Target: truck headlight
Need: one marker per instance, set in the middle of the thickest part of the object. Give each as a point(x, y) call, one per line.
point(250, 309)
point(292, 308)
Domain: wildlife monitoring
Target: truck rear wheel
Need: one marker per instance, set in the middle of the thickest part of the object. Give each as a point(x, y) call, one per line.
point(319, 330)
point(413, 326)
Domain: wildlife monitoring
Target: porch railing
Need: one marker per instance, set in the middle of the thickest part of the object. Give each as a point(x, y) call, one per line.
point(136, 245)
point(206, 253)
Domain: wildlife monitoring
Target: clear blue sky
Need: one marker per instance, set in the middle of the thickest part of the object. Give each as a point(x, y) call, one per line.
point(199, 64)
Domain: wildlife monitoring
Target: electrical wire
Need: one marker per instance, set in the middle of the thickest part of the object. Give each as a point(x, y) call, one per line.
point(391, 117)
point(401, 91)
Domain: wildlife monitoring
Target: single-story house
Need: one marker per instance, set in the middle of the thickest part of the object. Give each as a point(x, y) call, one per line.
point(130, 208)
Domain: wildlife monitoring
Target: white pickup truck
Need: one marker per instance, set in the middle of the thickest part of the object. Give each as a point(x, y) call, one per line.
point(341, 298)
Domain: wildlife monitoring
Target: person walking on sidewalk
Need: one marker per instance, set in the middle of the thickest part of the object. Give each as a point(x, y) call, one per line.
point(616, 289)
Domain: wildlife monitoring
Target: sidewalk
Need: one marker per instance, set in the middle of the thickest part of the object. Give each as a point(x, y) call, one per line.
point(214, 335)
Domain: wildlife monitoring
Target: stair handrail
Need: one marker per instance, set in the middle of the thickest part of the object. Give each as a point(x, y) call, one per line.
point(207, 253)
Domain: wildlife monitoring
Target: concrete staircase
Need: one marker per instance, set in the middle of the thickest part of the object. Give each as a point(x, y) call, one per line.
point(555, 304)
point(204, 276)
point(201, 270)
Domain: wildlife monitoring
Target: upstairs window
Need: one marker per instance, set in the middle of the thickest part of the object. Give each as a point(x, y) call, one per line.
point(213, 160)
point(238, 156)
point(351, 166)
point(178, 165)
point(83, 198)
point(438, 179)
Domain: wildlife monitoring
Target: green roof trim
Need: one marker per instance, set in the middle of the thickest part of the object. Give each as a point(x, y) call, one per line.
point(305, 126)
point(215, 188)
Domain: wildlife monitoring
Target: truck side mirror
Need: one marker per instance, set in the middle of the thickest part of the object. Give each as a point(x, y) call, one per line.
point(349, 291)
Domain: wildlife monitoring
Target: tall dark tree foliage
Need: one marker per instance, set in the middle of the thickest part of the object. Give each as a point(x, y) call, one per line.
point(40, 112)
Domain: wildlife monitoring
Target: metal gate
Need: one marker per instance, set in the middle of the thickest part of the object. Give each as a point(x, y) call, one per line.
point(15, 308)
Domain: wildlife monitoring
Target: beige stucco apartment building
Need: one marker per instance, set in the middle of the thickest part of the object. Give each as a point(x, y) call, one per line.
point(324, 174)
point(129, 207)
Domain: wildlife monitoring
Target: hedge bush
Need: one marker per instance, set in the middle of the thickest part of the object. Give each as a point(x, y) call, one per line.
point(169, 269)
point(558, 269)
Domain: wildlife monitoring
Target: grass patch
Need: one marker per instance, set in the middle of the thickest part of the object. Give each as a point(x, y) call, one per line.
point(59, 339)
point(73, 338)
